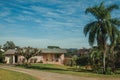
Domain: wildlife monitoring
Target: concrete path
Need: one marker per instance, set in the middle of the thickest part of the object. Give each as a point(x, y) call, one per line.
point(42, 75)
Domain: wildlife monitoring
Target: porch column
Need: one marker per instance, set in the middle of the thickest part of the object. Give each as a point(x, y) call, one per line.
point(62, 58)
point(13, 59)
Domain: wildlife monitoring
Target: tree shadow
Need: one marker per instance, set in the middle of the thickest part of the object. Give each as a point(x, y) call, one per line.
point(79, 70)
point(45, 68)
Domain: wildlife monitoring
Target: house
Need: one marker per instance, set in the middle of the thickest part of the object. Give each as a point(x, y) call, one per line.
point(51, 56)
point(10, 56)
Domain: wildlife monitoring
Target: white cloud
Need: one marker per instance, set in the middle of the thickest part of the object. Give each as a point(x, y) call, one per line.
point(26, 18)
point(39, 9)
point(27, 12)
point(42, 43)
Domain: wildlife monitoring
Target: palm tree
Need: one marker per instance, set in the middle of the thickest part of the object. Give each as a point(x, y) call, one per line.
point(104, 28)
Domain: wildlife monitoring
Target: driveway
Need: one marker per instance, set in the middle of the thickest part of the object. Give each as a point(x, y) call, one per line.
point(42, 75)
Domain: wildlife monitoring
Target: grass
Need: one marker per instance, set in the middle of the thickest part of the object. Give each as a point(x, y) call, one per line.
point(12, 75)
point(70, 70)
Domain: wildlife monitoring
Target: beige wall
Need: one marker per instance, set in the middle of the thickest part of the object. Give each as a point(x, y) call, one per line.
point(43, 57)
point(10, 59)
point(62, 57)
point(7, 59)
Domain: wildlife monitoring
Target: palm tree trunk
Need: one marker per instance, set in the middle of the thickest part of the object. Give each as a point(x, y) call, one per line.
point(104, 59)
point(113, 62)
point(112, 57)
point(104, 63)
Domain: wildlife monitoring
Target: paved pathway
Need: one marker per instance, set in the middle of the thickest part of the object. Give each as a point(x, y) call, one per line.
point(42, 75)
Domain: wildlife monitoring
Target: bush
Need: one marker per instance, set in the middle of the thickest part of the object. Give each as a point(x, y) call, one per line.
point(1, 57)
point(67, 62)
point(83, 60)
point(108, 70)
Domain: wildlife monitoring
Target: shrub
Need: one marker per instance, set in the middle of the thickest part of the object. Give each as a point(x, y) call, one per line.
point(1, 57)
point(67, 62)
point(83, 60)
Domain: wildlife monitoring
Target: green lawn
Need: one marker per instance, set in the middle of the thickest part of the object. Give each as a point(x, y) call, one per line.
point(69, 70)
point(12, 75)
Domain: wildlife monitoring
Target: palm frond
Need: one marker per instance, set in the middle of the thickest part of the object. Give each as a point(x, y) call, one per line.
point(92, 34)
point(94, 11)
point(112, 7)
point(88, 27)
point(102, 5)
point(115, 21)
point(114, 36)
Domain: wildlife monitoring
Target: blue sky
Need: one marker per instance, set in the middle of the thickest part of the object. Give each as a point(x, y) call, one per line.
point(40, 23)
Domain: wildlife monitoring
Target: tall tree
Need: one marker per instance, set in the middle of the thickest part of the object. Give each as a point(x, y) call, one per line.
point(1, 57)
point(104, 28)
point(9, 45)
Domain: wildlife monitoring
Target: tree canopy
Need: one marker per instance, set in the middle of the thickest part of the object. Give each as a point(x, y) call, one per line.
point(9, 45)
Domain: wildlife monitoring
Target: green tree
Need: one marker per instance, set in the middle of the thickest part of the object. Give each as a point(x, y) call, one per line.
point(104, 28)
point(96, 60)
point(1, 57)
point(28, 52)
point(74, 59)
point(54, 47)
point(117, 54)
point(9, 45)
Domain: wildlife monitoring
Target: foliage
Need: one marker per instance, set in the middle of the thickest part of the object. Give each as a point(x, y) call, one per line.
point(82, 61)
point(1, 57)
point(118, 40)
point(67, 62)
point(117, 55)
point(52, 47)
point(9, 45)
point(74, 59)
point(71, 52)
point(71, 61)
point(103, 29)
point(96, 60)
point(28, 52)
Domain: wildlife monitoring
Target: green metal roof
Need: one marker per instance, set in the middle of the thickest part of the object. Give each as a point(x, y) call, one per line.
point(47, 50)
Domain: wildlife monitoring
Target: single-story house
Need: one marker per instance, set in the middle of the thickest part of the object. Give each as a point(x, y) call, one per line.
point(52, 56)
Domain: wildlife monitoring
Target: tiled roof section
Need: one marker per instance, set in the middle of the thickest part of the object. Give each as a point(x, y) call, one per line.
point(53, 51)
point(10, 51)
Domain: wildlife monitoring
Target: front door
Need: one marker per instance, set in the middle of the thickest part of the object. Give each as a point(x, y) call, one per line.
point(16, 58)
